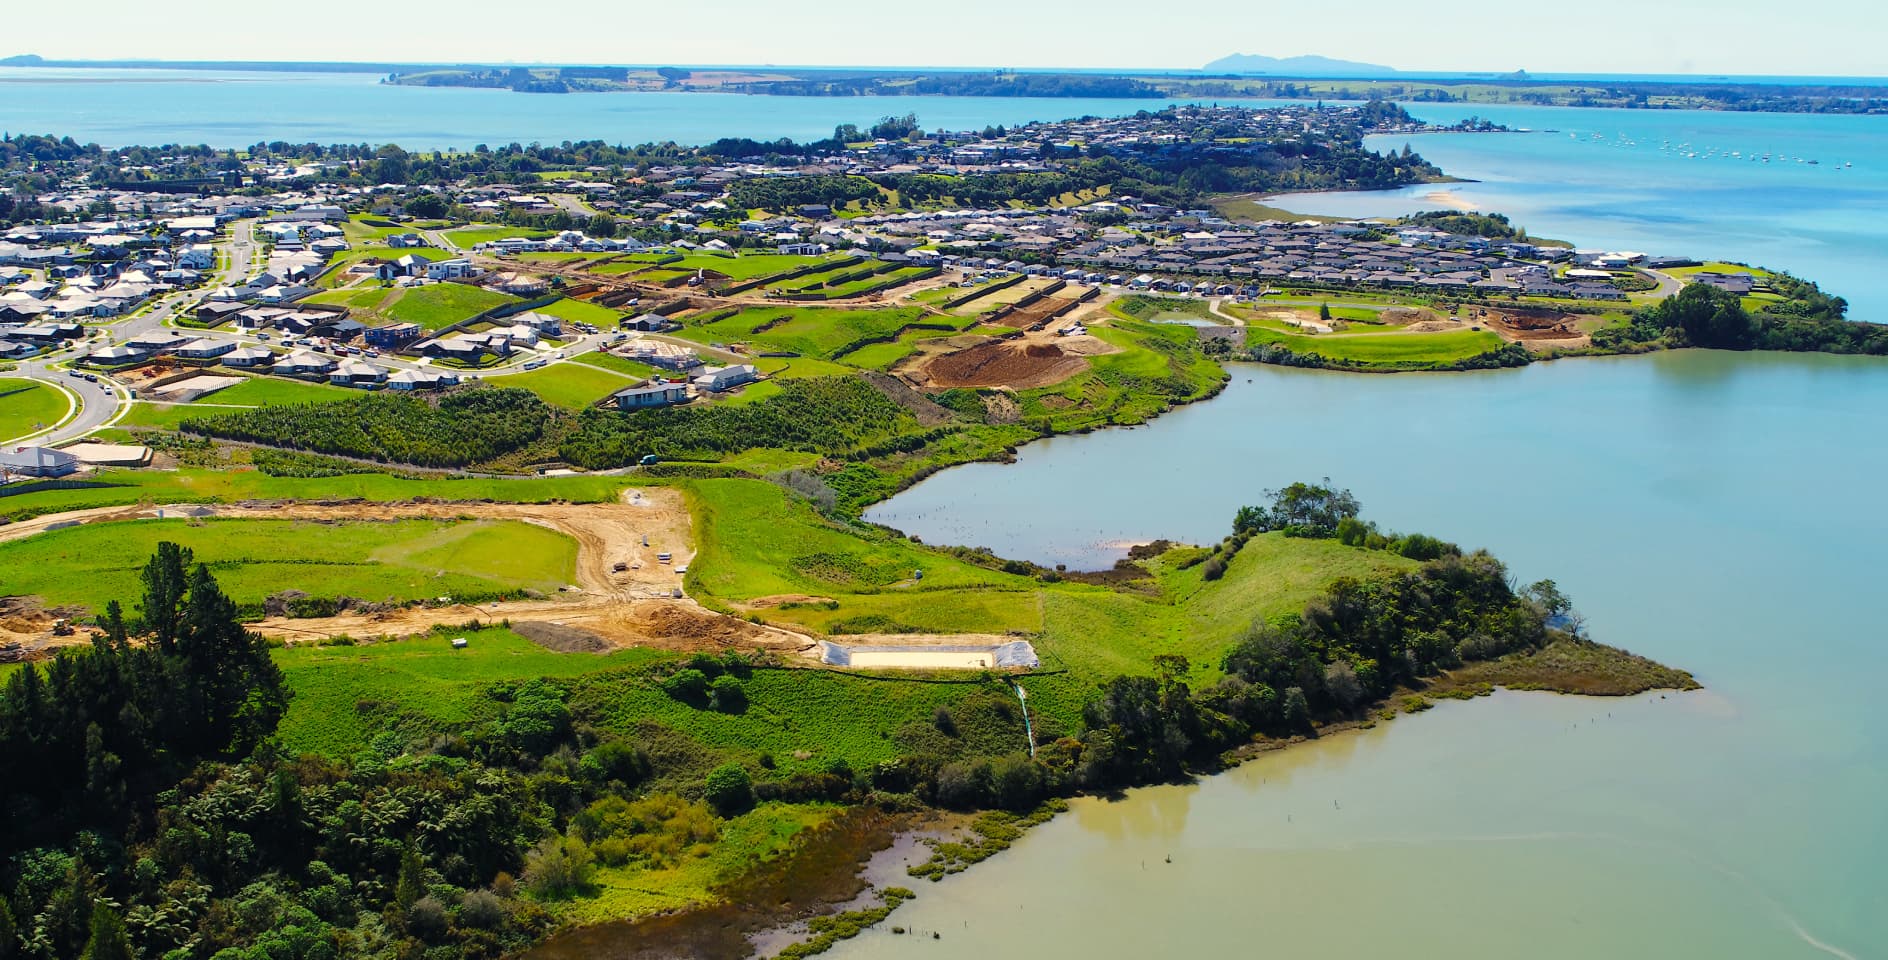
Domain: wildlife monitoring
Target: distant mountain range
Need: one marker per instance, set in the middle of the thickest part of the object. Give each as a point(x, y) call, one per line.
point(1308, 66)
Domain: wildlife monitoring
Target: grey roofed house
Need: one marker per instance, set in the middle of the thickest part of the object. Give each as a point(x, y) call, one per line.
point(116, 356)
point(653, 394)
point(248, 357)
point(37, 462)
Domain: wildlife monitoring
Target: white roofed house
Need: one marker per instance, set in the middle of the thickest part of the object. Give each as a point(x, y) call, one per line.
point(452, 269)
point(727, 378)
point(422, 379)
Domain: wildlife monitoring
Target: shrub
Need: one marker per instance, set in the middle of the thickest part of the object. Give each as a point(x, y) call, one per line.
point(558, 867)
point(729, 789)
point(481, 910)
point(688, 685)
point(727, 695)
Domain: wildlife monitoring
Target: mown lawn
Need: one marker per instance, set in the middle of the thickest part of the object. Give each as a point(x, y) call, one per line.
point(27, 405)
point(394, 560)
point(444, 304)
point(573, 386)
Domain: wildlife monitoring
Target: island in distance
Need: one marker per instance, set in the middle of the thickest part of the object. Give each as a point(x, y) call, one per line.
point(1302, 66)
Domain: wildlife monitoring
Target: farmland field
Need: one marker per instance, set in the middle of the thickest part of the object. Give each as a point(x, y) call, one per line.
point(27, 405)
point(392, 560)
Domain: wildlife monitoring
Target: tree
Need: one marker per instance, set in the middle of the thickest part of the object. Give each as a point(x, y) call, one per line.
point(428, 206)
point(1324, 314)
point(602, 225)
point(108, 940)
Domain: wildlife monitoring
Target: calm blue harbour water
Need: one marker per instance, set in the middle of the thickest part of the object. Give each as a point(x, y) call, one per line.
point(1620, 179)
point(232, 109)
point(1711, 510)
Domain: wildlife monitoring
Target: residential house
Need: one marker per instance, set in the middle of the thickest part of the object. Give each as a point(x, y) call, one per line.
point(305, 363)
point(392, 336)
point(357, 373)
point(36, 462)
point(248, 358)
point(408, 380)
point(727, 378)
point(456, 268)
point(653, 394)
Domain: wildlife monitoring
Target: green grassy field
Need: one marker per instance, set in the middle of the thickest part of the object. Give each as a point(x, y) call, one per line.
point(430, 681)
point(166, 416)
point(584, 312)
point(573, 386)
point(755, 541)
point(373, 298)
point(881, 356)
point(1387, 349)
point(808, 331)
point(124, 487)
point(444, 304)
point(338, 274)
point(263, 391)
point(467, 237)
point(622, 365)
point(28, 405)
point(746, 266)
point(396, 560)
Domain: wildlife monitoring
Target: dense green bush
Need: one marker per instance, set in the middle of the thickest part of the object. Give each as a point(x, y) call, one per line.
point(465, 427)
point(825, 415)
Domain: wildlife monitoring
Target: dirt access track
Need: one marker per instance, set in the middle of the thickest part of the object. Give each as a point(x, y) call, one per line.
point(635, 606)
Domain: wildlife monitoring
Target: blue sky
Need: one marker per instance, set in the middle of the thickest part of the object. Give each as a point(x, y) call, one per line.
point(1818, 37)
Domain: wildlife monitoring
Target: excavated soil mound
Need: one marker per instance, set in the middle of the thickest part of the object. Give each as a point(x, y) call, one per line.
point(563, 639)
point(1004, 364)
